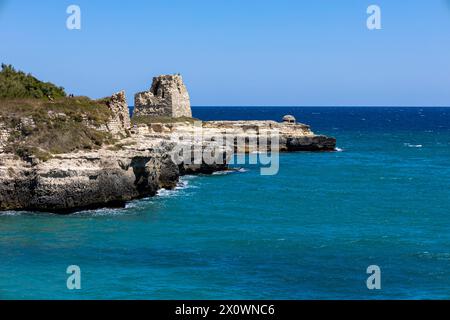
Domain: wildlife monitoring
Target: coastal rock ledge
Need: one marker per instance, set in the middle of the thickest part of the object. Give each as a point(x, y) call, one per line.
point(135, 163)
point(88, 180)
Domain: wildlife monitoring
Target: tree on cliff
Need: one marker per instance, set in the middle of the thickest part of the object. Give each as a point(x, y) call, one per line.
point(17, 84)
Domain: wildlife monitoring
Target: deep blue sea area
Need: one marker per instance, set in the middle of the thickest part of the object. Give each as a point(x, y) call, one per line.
point(308, 232)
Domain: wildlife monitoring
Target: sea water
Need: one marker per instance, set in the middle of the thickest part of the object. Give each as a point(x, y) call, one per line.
point(309, 232)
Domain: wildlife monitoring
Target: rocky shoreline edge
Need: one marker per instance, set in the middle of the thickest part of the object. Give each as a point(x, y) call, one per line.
point(140, 162)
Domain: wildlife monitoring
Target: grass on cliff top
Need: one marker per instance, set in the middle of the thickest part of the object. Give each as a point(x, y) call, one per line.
point(150, 120)
point(18, 84)
point(44, 121)
point(41, 127)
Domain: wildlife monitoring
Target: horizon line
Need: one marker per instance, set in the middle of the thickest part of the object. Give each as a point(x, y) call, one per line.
point(314, 106)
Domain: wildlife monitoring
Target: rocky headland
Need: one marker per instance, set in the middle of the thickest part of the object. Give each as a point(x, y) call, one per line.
point(72, 153)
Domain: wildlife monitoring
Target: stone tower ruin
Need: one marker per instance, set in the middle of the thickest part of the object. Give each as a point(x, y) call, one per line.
point(168, 97)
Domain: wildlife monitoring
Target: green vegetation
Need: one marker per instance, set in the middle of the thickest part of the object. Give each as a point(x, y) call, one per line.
point(17, 84)
point(150, 119)
point(41, 126)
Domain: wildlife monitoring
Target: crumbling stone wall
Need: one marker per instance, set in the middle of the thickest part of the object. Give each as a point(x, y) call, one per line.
point(120, 121)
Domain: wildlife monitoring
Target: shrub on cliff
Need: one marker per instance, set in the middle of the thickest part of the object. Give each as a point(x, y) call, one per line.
point(42, 128)
point(17, 84)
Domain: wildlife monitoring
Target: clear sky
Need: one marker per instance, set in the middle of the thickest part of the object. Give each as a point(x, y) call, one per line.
point(239, 52)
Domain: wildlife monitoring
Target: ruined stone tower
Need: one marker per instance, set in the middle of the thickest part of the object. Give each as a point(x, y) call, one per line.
point(168, 97)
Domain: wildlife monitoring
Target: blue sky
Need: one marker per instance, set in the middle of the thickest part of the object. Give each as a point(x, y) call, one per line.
point(235, 52)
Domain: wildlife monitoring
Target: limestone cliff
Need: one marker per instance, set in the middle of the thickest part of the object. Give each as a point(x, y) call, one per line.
point(168, 97)
point(292, 137)
point(111, 176)
point(80, 180)
point(75, 153)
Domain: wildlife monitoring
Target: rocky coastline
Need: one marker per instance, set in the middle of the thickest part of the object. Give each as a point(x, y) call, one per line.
point(139, 162)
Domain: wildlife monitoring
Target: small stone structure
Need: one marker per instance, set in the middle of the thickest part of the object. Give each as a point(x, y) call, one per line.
point(119, 123)
point(289, 119)
point(168, 97)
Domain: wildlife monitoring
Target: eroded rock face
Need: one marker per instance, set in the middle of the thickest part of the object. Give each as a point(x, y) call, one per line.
point(168, 97)
point(81, 180)
point(94, 179)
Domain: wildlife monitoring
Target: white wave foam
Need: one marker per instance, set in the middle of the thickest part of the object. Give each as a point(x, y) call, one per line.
point(434, 255)
point(182, 184)
point(409, 145)
point(221, 173)
point(338, 149)
point(102, 212)
point(164, 193)
point(108, 212)
point(10, 213)
point(225, 172)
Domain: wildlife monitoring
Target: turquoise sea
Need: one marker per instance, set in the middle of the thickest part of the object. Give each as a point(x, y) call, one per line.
point(308, 232)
